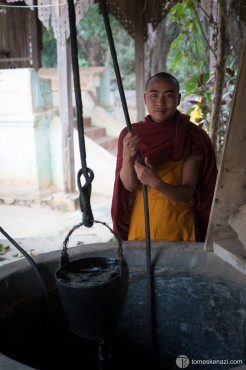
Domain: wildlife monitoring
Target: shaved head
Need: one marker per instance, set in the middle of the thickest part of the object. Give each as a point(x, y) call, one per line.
point(164, 76)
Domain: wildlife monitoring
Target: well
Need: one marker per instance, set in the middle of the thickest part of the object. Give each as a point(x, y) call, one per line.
point(199, 305)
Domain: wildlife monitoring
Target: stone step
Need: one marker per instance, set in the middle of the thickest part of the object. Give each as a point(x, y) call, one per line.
point(86, 122)
point(98, 134)
point(108, 142)
point(94, 132)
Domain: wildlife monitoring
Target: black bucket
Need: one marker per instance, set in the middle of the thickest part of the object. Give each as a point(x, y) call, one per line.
point(93, 292)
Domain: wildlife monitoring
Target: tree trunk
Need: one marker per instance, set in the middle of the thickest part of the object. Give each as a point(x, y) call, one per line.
point(155, 58)
point(92, 50)
point(210, 8)
point(236, 27)
point(219, 73)
point(157, 46)
point(139, 62)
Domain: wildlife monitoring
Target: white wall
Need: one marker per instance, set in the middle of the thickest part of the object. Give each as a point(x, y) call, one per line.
point(25, 115)
point(99, 160)
point(31, 137)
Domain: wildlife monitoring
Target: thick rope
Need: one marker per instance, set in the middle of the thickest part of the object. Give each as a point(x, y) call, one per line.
point(144, 187)
point(65, 257)
point(85, 191)
point(32, 263)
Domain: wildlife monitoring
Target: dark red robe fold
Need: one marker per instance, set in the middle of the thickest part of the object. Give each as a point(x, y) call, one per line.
point(162, 142)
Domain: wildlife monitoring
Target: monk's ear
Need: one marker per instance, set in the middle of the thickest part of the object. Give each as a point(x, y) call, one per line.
point(179, 98)
point(145, 98)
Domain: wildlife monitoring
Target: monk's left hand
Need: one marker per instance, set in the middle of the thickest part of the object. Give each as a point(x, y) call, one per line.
point(147, 174)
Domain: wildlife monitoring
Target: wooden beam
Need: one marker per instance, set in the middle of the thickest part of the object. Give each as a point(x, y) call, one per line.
point(139, 59)
point(230, 192)
point(66, 114)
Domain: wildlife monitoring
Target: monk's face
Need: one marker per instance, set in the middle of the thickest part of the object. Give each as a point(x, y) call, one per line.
point(162, 98)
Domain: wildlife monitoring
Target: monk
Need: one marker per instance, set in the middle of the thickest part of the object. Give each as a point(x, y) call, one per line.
point(179, 170)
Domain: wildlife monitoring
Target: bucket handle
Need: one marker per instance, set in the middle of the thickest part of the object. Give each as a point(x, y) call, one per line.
point(65, 257)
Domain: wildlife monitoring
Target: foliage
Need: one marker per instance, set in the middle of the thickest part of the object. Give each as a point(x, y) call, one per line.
point(188, 58)
point(187, 51)
point(3, 249)
point(92, 30)
point(48, 55)
point(113, 239)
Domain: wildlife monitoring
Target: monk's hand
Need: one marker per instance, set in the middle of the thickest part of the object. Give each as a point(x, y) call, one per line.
point(131, 144)
point(146, 173)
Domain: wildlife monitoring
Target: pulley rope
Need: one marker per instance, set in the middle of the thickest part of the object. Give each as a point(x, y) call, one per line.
point(31, 261)
point(144, 187)
point(85, 191)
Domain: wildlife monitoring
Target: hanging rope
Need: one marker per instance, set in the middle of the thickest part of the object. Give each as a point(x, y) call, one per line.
point(85, 191)
point(144, 187)
point(32, 263)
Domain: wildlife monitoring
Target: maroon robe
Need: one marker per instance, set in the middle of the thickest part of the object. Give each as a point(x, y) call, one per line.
point(162, 142)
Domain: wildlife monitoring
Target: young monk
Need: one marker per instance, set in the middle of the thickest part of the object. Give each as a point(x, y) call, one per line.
point(179, 170)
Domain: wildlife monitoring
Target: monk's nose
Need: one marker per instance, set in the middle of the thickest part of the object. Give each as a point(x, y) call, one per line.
point(161, 100)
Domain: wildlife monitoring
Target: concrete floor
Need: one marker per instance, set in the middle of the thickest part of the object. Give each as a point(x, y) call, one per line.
point(41, 229)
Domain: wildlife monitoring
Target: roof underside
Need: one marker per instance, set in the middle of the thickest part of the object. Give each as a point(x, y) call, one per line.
point(126, 12)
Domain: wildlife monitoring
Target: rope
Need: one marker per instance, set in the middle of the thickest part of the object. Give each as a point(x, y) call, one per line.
point(144, 187)
point(32, 263)
point(65, 258)
point(85, 191)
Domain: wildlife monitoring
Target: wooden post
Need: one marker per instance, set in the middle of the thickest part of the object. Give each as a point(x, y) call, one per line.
point(66, 114)
point(139, 59)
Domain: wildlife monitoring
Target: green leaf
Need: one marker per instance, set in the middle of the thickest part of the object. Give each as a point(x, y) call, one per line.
point(113, 239)
point(180, 10)
point(177, 59)
point(177, 12)
point(3, 249)
point(175, 42)
point(189, 111)
point(188, 4)
point(200, 45)
point(206, 77)
point(191, 85)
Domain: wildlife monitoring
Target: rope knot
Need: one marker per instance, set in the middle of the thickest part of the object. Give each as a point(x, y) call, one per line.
point(85, 193)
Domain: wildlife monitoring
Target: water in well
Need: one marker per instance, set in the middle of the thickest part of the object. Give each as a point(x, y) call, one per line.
point(199, 315)
point(193, 318)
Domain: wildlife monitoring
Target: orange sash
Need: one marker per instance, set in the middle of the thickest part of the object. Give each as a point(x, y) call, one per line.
point(169, 220)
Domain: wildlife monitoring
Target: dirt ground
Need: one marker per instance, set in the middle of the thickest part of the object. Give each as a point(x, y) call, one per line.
point(41, 229)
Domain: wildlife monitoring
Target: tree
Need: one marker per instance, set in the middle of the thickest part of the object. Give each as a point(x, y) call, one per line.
point(92, 38)
point(186, 42)
point(219, 72)
point(49, 54)
point(157, 46)
point(205, 47)
point(93, 46)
